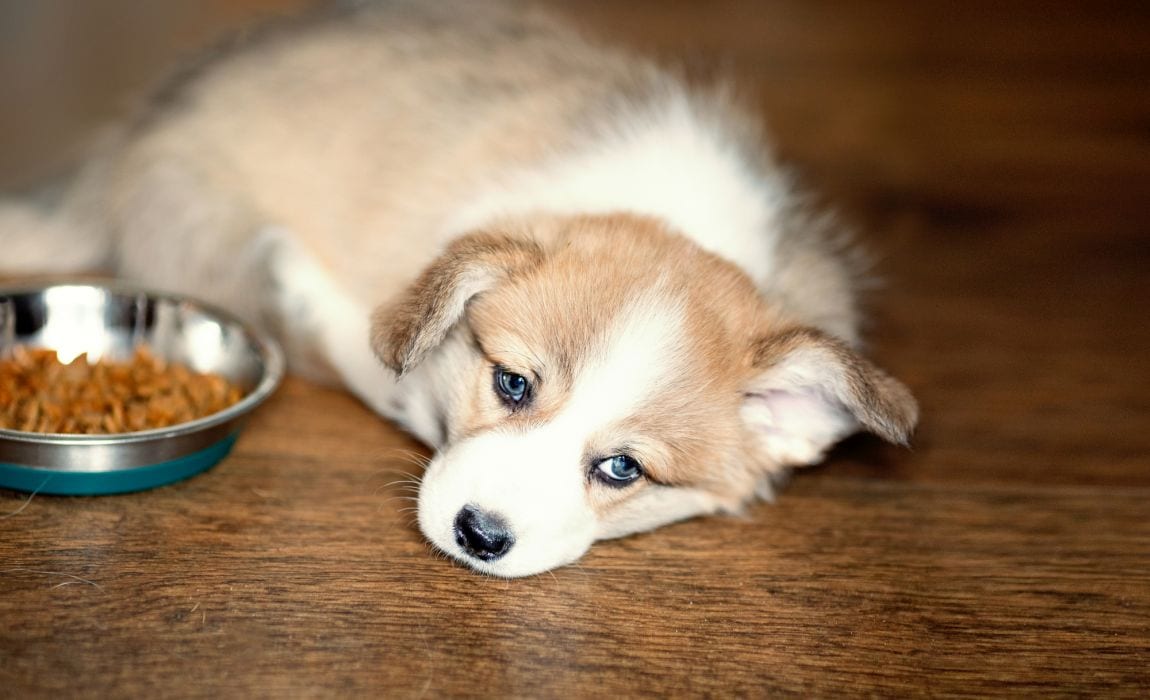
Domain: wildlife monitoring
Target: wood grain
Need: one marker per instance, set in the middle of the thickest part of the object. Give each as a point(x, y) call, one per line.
point(998, 157)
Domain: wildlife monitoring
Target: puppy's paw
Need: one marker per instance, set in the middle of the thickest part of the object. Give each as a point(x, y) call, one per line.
point(298, 291)
point(297, 283)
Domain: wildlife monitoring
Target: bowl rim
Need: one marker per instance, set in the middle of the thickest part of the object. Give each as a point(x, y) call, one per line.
point(268, 350)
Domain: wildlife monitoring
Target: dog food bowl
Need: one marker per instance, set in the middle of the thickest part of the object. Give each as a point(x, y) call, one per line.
point(109, 321)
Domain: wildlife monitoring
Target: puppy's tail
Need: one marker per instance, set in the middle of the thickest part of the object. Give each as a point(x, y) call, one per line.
point(64, 225)
point(57, 230)
point(34, 240)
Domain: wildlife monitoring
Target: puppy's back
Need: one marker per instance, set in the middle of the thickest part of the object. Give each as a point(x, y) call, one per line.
point(360, 130)
point(373, 136)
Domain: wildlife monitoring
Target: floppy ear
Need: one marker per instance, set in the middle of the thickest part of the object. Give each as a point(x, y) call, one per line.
point(811, 390)
point(403, 332)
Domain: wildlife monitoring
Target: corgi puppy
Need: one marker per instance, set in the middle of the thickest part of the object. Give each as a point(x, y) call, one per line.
point(581, 280)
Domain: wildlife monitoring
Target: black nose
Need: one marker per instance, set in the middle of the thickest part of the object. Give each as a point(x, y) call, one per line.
point(483, 535)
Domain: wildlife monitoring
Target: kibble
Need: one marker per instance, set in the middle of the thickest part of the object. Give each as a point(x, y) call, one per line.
point(40, 394)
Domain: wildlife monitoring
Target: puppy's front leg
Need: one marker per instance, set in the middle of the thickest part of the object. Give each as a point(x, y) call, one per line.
point(325, 328)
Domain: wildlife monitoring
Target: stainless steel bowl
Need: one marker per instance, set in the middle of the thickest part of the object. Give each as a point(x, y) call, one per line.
point(109, 321)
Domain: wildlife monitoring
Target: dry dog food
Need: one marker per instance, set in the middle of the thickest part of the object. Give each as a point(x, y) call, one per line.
point(40, 394)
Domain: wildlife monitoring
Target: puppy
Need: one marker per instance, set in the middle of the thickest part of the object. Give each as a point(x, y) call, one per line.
point(579, 279)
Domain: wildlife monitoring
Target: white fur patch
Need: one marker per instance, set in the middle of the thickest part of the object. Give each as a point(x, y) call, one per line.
point(667, 163)
point(536, 480)
point(634, 361)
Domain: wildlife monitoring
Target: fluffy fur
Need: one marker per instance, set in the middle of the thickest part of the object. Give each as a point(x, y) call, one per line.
point(417, 198)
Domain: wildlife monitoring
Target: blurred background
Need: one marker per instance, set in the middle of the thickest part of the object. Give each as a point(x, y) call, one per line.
point(869, 99)
point(996, 155)
point(68, 67)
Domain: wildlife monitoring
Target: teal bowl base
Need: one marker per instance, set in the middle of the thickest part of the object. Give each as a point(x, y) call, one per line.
point(62, 483)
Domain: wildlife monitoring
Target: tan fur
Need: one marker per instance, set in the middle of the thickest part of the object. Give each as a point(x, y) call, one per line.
point(408, 329)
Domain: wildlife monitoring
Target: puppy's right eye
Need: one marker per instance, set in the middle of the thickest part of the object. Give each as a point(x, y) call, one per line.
point(511, 387)
point(618, 471)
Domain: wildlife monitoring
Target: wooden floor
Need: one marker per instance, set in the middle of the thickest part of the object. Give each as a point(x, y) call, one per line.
point(998, 157)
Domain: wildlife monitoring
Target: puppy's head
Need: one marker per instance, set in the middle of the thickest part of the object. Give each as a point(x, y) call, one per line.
point(609, 377)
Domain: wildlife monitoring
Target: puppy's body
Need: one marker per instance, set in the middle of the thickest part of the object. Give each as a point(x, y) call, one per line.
point(515, 198)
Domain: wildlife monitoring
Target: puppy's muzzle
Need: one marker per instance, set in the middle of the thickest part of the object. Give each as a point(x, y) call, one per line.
point(481, 534)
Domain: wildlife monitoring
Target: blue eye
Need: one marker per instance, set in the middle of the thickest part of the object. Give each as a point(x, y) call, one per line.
point(618, 470)
point(512, 388)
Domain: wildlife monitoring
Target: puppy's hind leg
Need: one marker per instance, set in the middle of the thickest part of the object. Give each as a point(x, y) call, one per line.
point(182, 230)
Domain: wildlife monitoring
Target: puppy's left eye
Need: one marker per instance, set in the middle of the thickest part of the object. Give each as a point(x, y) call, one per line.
point(512, 388)
point(619, 470)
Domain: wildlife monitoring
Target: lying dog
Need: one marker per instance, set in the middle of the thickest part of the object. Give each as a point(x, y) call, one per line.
point(579, 279)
